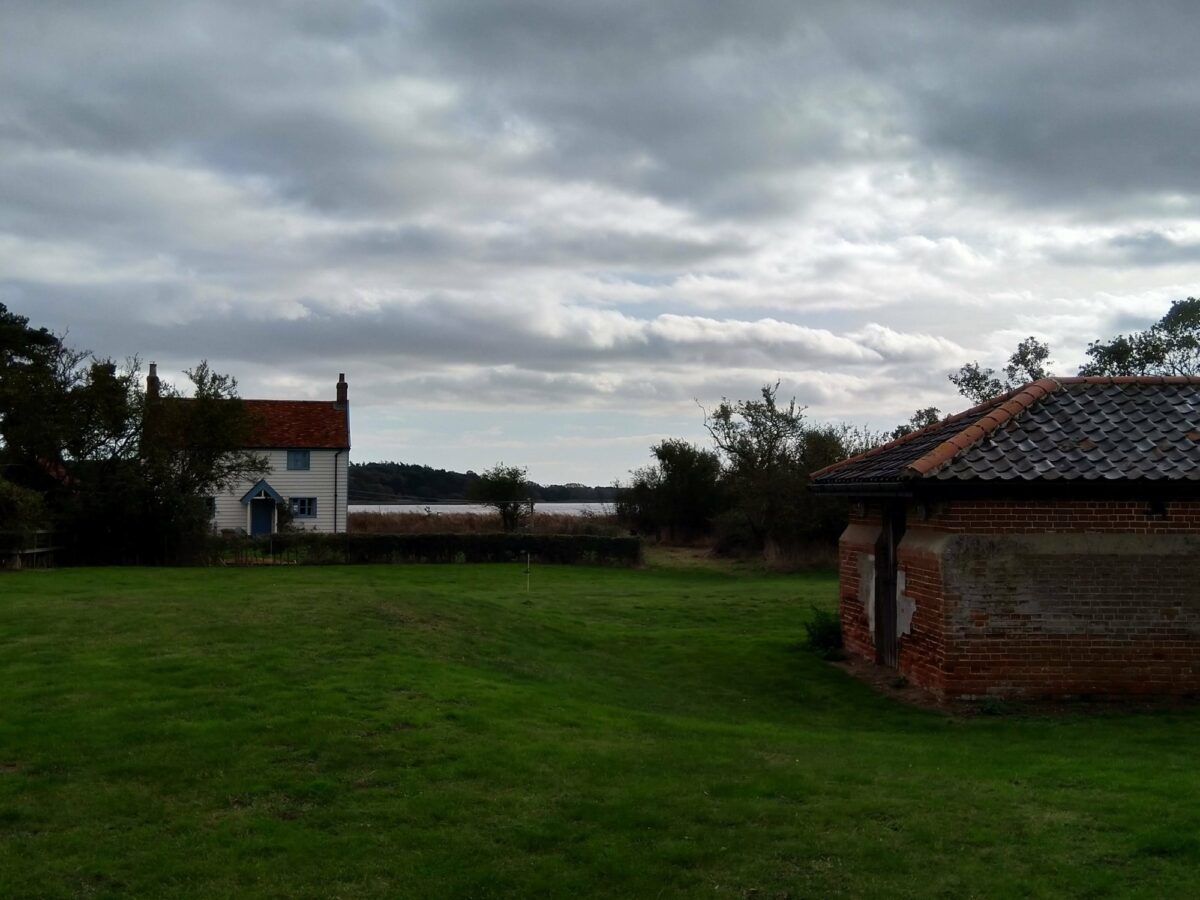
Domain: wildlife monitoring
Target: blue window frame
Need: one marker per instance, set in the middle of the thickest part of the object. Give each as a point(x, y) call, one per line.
point(298, 460)
point(303, 507)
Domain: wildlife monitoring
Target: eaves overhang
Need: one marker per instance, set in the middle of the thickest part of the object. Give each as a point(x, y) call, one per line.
point(1041, 490)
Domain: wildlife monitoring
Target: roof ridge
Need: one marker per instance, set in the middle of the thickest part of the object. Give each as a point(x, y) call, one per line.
point(264, 400)
point(1130, 379)
point(974, 411)
point(1011, 406)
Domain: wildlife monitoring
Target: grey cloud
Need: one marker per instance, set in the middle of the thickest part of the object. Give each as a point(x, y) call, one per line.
point(715, 107)
point(1138, 249)
point(730, 111)
point(625, 205)
point(538, 246)
point(448, 330)
point(1154, 248)
point(1067, 103)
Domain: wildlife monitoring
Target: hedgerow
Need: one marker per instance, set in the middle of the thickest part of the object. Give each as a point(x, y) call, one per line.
point(318, 549)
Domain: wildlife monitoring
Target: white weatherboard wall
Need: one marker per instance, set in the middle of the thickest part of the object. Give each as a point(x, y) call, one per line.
point(317, 482)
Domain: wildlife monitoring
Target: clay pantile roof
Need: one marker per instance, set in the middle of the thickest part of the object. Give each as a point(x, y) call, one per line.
point(1094, 429)
point(297, 424)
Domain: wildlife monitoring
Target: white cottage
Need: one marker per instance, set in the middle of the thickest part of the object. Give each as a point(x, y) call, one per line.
point(307, 445)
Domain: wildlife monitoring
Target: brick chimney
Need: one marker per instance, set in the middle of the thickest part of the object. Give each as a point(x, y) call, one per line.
point(152, 382)
point(343, 401)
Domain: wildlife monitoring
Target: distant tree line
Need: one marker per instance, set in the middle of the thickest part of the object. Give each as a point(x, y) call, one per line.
point(393, 482)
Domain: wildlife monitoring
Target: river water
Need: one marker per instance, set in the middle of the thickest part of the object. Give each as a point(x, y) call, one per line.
point(562, 509)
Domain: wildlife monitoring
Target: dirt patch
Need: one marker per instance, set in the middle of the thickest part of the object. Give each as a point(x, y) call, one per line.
point(889, 683)
point(894, 686)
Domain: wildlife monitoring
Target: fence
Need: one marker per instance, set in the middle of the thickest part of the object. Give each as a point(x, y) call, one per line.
point(27, 549)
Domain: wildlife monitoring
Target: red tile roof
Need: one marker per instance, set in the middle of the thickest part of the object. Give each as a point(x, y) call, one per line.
point(308, 424)
point(1069, 429)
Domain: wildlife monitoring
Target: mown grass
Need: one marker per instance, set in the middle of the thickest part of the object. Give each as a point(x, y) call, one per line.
point(438, 732)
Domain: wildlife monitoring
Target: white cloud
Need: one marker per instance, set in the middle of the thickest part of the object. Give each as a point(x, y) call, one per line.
point(608, 210)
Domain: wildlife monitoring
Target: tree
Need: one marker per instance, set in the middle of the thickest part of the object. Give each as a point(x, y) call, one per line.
point(680, 493)
point(37, 375)
point(1171, 346)
point(122, 477)
point(21, 510)
point(922, 418)
point(761, 444)
point(195, 446)
point(506, 490)
point(1028, 363)
point(768, 452)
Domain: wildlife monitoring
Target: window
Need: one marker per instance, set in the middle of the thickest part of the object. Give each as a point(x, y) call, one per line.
point(210, 507)
point(297, 460)
point(303, 507)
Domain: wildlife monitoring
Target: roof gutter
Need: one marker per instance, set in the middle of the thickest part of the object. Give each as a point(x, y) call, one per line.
point(1074, 489)
point(863, 488)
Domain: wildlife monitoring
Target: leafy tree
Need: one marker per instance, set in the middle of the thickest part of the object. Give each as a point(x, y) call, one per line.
point(1171, 346)
point(761, 445)
point(768, 452)
point(123, 477)
point(506, 490)
point(21, 510)
point(638, 504)
point(681, 493)
point(823, 518)
point(197, 447)
point(36, 374)
point(1028, 363)
point(922, 418)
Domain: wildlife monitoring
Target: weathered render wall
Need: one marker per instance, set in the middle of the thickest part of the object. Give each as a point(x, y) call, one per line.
point(920, 625)
point(922, 657)
point(856, 583)
point(1017, 598)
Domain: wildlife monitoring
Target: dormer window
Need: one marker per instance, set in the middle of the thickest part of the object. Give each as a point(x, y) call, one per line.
point(298, 460)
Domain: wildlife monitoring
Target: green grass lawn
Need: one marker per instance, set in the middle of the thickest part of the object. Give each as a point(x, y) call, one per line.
point(437, 732)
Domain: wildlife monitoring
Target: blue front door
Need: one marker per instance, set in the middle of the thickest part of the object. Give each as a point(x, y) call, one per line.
point(262, 516)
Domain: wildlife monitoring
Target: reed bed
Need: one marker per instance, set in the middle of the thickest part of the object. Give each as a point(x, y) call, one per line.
point(480, 523)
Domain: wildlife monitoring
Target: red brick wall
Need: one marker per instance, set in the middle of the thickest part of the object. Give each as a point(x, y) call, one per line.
point(921, 653)
point(922, 656)
point(1032, 517)
point(856, 543)
point(1050, 599)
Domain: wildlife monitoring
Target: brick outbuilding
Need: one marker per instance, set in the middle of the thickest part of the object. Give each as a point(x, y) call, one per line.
point(1045, 543)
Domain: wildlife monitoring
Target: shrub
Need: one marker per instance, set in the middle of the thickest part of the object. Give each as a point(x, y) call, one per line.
point(20, 509)
point(824, 631)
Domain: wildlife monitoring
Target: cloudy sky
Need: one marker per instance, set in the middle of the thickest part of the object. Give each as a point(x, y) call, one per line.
point(540, 231)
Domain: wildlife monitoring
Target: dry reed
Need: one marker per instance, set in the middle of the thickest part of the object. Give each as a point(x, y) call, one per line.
point(477, 523)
